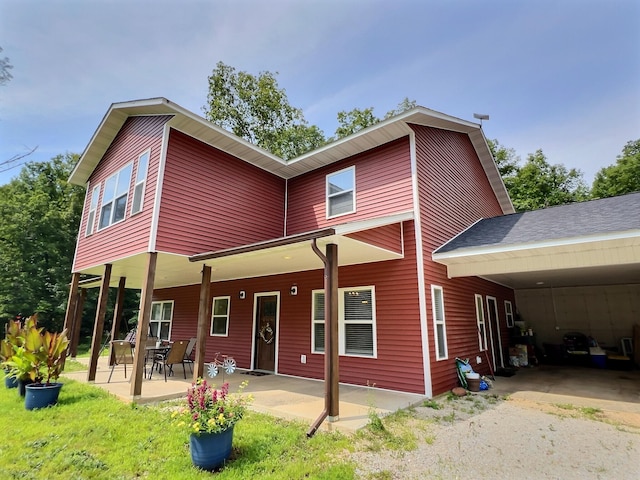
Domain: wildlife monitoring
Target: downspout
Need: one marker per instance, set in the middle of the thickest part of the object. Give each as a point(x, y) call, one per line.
point(331, 400)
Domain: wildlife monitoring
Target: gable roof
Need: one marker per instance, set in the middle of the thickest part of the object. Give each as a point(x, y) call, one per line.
point(207, 132)
point(601, 218)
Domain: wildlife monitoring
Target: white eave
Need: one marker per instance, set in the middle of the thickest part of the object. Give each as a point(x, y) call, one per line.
point(207, 132)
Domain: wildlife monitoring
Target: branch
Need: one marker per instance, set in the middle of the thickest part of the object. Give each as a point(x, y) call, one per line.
point(6, 165)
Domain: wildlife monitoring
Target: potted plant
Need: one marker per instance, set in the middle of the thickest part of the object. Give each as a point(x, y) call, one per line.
point(210, 416)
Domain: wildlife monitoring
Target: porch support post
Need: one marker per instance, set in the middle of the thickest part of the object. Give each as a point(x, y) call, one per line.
point(117, 316)
point(77, 323)
point(332, 375)
point(96, 342)
point(204, 313)
point(143, 325)
point(72, 302)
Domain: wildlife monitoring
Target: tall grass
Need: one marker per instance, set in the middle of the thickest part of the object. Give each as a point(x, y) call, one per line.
point(92, 435)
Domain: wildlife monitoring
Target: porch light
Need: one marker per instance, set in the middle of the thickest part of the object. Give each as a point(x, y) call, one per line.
point(293, 290)
point(242, 294)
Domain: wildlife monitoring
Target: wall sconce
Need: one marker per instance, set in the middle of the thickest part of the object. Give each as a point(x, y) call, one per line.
point(294, 290)
point(242, 295)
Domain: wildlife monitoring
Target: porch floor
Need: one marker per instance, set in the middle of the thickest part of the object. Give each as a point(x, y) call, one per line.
point(292, 398)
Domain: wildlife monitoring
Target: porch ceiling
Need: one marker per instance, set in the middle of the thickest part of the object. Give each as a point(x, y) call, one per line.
point(175, 270)
point(579, 262)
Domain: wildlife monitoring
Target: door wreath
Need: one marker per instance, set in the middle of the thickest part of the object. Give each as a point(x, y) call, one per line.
point(266, 334)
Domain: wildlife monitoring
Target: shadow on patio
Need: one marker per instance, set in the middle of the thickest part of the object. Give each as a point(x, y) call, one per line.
point(286, 397)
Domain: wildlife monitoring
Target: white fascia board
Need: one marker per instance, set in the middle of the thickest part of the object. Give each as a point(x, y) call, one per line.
point(358, 226)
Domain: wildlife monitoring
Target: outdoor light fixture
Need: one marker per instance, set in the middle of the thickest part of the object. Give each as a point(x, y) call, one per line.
point(242, 295)
point(294, 290)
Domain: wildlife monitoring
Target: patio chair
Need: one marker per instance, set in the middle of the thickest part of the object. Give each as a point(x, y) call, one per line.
point(187, 354)
point(122, 354)
point(174, 356)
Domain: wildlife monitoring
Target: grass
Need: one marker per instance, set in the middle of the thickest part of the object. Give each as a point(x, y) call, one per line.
point(92, 435)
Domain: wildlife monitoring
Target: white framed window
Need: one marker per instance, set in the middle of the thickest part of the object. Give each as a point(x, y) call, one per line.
point(160, 322)
point(114, 197)
point(437, 304)
point(508, 313)
point(220, 316)
point(91, 220)
point(482, 330)
point(356, 322)
point(341, 192)
point(141, 177)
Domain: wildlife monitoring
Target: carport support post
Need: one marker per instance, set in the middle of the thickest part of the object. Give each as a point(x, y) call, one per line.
point(331, 369)
point(117, 316)
point(204, 310)
point(77, 323)
point(96, 343)
point(70, 315)
point(143, 326)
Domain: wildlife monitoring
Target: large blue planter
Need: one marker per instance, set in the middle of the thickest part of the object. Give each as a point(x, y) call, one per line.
point(10, 382)
point(41, 396)
point(210, 450)
point(22, 386)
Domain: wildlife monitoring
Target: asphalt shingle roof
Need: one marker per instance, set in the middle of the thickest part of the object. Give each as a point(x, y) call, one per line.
point(603, 216)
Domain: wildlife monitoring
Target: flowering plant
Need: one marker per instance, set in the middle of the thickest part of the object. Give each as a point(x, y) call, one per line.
point(212, 411)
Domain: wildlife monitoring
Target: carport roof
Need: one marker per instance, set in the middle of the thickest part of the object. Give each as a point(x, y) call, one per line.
point(590, 243)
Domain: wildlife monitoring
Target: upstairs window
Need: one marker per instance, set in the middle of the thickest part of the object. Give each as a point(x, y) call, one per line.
point(160, 322)
point(93, 206)
point(220, 316)
point(341, 192)
point(141, 177)
point(114, 198)
point(356, 322)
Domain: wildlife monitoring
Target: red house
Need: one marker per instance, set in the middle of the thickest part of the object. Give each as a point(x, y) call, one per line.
point(226, 242)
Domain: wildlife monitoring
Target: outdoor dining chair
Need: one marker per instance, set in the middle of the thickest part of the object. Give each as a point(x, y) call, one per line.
point(174, 356)
point(187, 354)
point(122, 355)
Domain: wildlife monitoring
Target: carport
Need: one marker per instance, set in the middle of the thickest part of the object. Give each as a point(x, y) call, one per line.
point(574, 268)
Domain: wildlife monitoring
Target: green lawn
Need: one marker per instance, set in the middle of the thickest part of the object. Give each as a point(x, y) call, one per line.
point(92, 435)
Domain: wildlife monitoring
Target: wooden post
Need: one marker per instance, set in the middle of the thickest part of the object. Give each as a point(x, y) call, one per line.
point(332, 375)
point(77, 323)
point(143, 325)
point(96, 342)
point(204, 313)
point(72, 302)
point(117, 316)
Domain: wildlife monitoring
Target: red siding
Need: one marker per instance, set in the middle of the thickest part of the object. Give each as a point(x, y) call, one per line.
point(383, 187)
point(212, 200)
point(388, 237)
point(132, 235)
point(399, 364)
point(454, 193)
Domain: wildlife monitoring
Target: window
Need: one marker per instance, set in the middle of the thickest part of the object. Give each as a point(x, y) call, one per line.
point(220, 316)
point(508, 313)
point(341, 190)
point(95, 193)
point(356, 321)
point(437, 303)
point(141, 176)
point(482, 331)
point(114, 197)
point(160, 322)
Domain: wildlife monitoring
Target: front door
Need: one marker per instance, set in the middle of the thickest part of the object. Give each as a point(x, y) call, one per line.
point(494, 331)
point(266, 329)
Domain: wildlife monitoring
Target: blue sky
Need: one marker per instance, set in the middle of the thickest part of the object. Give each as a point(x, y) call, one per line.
point(562, 76)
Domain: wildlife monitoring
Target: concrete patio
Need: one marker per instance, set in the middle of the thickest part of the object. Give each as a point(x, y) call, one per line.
point(286, 397)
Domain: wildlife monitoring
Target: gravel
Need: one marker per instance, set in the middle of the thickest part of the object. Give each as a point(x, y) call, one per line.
point(481, 436)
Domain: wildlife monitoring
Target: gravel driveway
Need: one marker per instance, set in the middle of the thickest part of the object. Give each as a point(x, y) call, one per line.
point(486, 437)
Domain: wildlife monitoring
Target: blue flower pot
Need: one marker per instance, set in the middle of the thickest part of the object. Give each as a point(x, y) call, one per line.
point(10, 382)
point(41, 396)
point(210, 450)
point(22, 386)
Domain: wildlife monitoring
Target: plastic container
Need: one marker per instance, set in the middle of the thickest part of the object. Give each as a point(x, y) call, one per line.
point(473, 384)
point(598, 357)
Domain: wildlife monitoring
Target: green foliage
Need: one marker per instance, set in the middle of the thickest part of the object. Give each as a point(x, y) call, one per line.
point(505, 158)
point(39, 217)
point(91, 434)
point(256, 109)
point(5, 67)
point(359, 119)
point(622, 177)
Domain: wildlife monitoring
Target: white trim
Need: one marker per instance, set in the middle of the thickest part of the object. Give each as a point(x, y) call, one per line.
point(509, 313)
point(286, 206)
point(482, 333)
point(115, 197)
point(359, 225)
point(228, 316)
point(143, 182)
point(438, 288)
point(422, 294)
point(488, 321)
point(499, 333)
point(155, 217)
point(342, 322)
point(328, 195)
point(88, 233)
point(253, 327)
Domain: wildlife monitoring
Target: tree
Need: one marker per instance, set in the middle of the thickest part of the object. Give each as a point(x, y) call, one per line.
point(622, 177)
point(358, 119)
point(538, 184)
point(39, 217)
point(505, 158)
point(256, 109)
point(5, 67)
